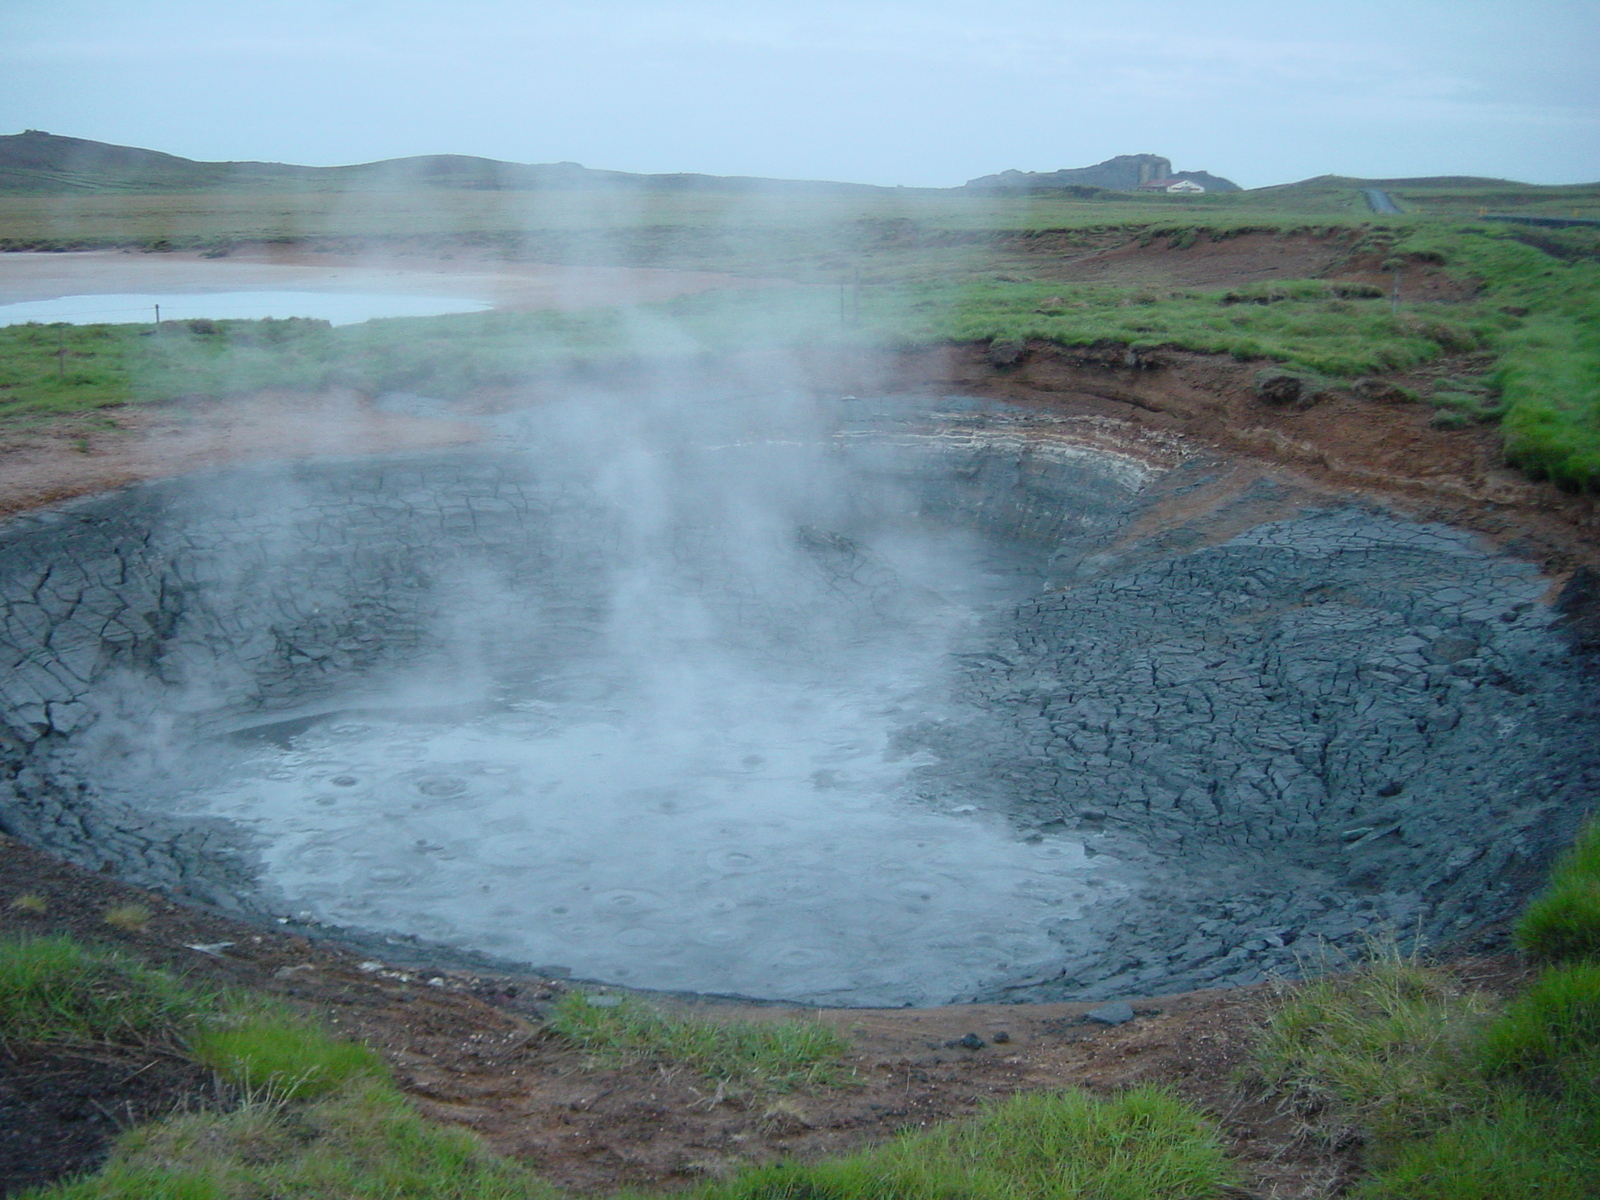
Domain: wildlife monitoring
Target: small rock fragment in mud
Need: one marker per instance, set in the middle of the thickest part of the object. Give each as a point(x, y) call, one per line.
point(1281, 387)
point(1000, 1037)
point(1384, 392)
point(970, 1041)
point(1119, 1012)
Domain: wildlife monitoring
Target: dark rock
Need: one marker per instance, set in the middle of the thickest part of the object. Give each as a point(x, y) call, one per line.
point(1384, 392)
point(1579, 603)
point(1283, 388)
point(1119, 1012)
point(1007, 353)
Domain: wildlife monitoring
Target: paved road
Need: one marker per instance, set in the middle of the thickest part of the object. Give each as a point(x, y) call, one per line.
point(1379, 201)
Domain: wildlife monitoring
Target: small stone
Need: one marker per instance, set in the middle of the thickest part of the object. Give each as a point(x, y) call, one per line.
point(1000, 1037)
point(603, 1001)
point(1119, 1012)
point(1006, 353)
point(970, 1042)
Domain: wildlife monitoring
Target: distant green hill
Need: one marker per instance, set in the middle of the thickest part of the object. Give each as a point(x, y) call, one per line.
point(45, 163)
point(1447, 195)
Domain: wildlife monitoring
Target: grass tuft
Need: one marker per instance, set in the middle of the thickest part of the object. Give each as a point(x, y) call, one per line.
point(278, 1054)
point(127, 918)
point(1553, 1027)
point(53, 990)
point(1144, 1144)
point(1382, 1044)
point(1562, 923)
point(1517, 1146)
point(775, 1054)
point(29, 905)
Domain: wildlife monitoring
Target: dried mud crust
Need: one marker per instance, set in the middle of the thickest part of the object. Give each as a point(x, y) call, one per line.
point(469, 1049)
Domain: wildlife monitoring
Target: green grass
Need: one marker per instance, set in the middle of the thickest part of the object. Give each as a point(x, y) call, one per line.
point(934, 268)
point(366, 1142)
point(1457, 1101)
point(1144, 1144)
point(763, 1054)
point(1553, 1028)
point(1307, 324)
point(55, 991)
point(269, 1050)
point(1563, 922)
point(321, 1117)
point(1548, 369)
point(1516, 1147)
point(50, 370)
point(1382, 1044)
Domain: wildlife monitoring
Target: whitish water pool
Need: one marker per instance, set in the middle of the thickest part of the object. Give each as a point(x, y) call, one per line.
point(127, 308)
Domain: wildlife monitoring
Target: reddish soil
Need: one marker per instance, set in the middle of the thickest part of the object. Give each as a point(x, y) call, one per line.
point(46, 464)
point(469, 1047)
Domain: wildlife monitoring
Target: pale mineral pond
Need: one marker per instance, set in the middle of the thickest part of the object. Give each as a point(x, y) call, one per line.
point(128, 308)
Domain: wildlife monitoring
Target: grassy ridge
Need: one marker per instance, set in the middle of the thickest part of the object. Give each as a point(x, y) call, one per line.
point(1549, 358)
point(320, 1118)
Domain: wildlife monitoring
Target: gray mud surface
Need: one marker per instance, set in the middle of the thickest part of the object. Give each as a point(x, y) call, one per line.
point(903, 714)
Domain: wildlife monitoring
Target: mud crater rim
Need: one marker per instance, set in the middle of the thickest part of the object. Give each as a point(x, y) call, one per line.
point(1268, 742)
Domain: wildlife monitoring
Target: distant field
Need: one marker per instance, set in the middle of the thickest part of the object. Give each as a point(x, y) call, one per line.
point(505, 218)
point(907, 267)
point(193, 218)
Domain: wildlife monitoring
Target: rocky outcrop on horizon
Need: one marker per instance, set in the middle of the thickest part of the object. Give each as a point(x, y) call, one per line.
point(1124, 173)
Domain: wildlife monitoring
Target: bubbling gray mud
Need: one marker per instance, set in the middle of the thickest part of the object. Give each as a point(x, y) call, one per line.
point(899, 713)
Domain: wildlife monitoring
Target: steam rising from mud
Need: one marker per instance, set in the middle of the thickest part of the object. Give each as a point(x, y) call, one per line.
point(697, 675)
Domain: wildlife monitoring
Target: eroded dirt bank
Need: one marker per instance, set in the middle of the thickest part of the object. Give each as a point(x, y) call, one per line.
point(1364, 440)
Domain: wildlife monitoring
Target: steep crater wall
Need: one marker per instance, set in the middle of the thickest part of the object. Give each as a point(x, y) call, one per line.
point(1332, 723)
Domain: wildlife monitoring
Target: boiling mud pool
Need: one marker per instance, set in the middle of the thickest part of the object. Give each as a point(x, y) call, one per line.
point(339, 308)
point(775, 853)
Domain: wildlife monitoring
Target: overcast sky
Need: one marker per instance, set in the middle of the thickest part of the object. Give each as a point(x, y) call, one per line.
point(927, 93)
